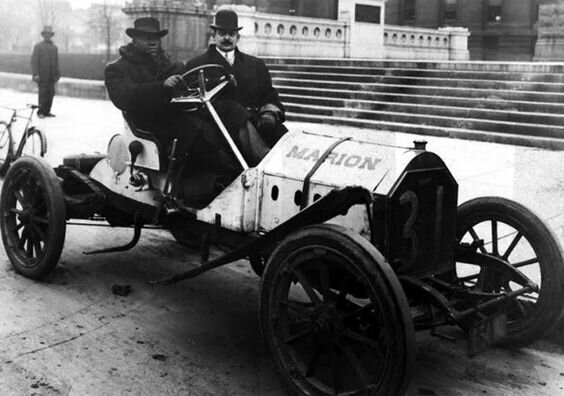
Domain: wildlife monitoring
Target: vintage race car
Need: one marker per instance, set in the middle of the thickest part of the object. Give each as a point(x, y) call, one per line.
point(357, 244)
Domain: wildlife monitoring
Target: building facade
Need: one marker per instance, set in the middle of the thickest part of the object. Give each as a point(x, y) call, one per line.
point(499, 29)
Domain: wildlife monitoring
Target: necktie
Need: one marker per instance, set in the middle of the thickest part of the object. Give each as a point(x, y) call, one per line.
point(229, 57)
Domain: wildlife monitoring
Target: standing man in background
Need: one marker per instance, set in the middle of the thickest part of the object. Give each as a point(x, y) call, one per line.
point(45, 71)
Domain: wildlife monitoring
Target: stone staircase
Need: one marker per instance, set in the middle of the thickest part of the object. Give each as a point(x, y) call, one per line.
point(516, 103)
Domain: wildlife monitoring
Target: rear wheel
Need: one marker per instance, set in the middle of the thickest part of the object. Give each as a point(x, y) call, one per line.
point(34, 144)
point(6, 148)
point(511, 232)
point(33, 217)
point(335, 316)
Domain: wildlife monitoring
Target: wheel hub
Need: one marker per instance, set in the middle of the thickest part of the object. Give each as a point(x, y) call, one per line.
point(327, 324)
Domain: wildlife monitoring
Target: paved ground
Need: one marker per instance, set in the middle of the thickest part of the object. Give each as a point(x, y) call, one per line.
point(72, 335)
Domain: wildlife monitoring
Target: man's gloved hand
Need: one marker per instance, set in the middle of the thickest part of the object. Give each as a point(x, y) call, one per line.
point(35, 78)
point(267, 121)
point(175, 81)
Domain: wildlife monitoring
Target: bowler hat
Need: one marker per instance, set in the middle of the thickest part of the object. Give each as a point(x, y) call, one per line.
point(227, 20)
point(47, 31)
point(146, 25)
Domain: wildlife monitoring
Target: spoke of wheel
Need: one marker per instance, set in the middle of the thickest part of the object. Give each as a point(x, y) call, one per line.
point(476, 238)
point(29, 245)
point(39, 232)
point(307, 287)
point(353, 335)
point(23, 238)
point(523, 263)
point(19, 197)
point(337, 372)
point(357, 312)
point(494, 238)
point(324, 281)
point(42, 220)
point(357, 366)
point(18, 226)
point(343, 291)
point(36, 242)
point(512, 245)
point(520, 307)
point(298, 308)
point(16, 211)
point(312, 364)
point(297, 336)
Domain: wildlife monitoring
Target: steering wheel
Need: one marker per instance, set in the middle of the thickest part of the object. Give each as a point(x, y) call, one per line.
point(202, 83)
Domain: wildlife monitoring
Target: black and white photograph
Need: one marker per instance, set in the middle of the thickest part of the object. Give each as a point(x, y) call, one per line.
point(282, 197)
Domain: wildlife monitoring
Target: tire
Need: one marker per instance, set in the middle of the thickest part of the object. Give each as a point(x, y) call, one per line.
point(6, 148)
point(34, 145)
point(33, 217)
point(520, 235)
point(314, 296)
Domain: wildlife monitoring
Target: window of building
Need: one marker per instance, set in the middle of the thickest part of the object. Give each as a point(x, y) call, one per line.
point(450, 11)
point(494, 11)
point(409, 11)
point(367, 13)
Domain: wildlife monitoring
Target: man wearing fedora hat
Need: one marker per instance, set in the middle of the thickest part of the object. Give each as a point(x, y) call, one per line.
point(253, 90)
point(142, 81)
point(45, 71)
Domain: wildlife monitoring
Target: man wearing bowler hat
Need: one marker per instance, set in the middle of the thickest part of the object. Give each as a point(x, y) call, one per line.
point(45, 71)
point(142, 82)
point(253, 90)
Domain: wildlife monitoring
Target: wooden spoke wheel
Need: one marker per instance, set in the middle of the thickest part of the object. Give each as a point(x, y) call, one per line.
point(510, 232)
point(33, 217)
point(335, 316)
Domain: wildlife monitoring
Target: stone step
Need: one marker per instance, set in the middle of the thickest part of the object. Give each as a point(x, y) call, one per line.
point(505, 94)
point(517, 128)
point(458, 112)
point(445, 81)
point(506, 67)
point(490, 102)
point(425, 73)
point(432, 130)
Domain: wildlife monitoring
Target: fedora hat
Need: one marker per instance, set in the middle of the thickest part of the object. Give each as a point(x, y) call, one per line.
point(227, 20)
point(47, 31)
point(146, 25)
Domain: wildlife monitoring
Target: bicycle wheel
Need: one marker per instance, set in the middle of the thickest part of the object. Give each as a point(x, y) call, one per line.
point(6, 147)
point(33, 144)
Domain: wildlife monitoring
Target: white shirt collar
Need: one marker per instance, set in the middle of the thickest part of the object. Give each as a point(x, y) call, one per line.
point(229, 56)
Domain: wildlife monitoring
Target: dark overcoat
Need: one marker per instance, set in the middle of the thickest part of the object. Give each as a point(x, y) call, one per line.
point(254, 83)
point(135, 85)
point(45, 62)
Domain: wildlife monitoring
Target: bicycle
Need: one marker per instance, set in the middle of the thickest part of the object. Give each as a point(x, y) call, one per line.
point(32, 142)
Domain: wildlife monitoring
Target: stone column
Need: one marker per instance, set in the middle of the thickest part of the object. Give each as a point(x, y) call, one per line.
point(550, 36)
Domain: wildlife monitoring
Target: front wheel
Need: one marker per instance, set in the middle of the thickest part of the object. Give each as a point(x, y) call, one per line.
point(509, 231)
point(335, 316)
point(33, 217)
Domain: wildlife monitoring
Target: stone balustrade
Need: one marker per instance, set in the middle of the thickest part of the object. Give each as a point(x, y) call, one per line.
point(280, 35)
point(401, 42)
